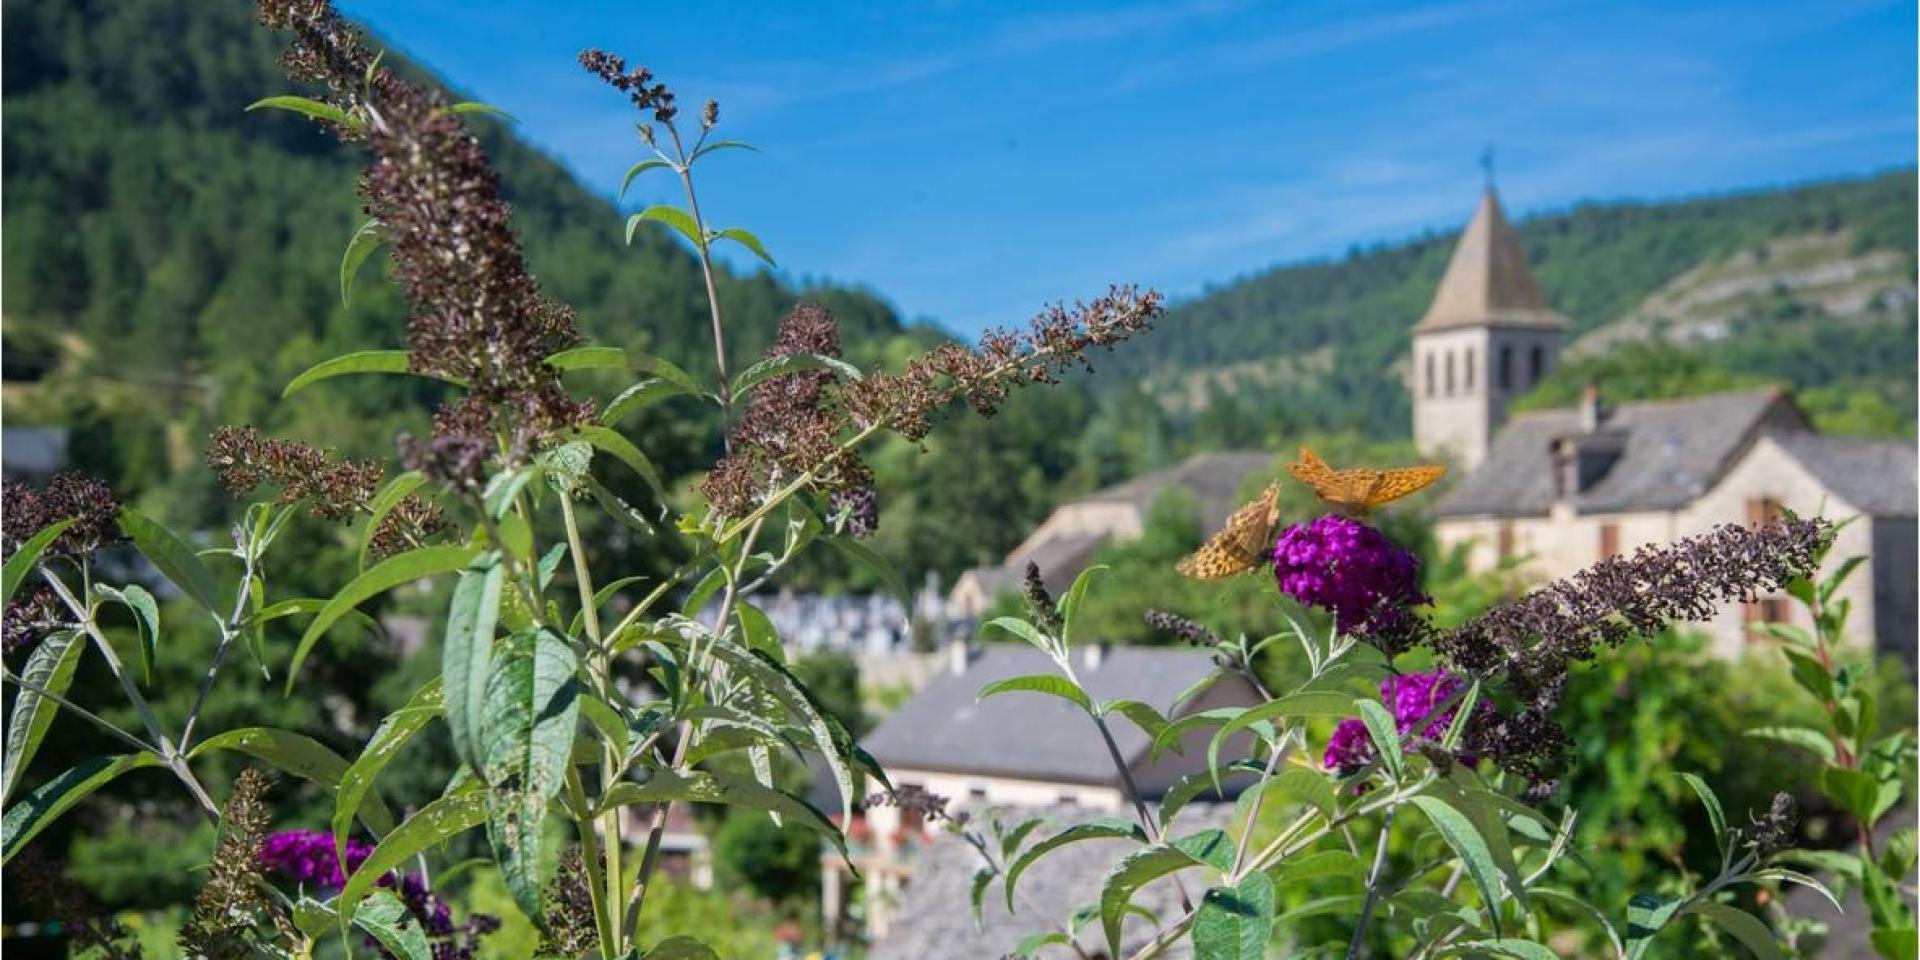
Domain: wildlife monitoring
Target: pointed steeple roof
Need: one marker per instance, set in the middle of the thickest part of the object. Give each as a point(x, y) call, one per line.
point(1487, 282)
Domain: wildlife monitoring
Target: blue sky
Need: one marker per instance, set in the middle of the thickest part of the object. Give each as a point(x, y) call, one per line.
point(973, 161)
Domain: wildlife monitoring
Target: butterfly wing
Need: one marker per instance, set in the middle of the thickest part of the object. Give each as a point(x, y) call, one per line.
point(1240, 544)
point(1361, 489)
point(1397, 483)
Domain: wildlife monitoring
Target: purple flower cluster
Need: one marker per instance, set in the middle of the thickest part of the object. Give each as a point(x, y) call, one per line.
point(1349, 568)
point(308, 857)
point(1410, 697)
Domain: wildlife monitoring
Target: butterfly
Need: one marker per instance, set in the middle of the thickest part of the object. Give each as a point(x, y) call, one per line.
point(1244, 543)
point(1359, 490)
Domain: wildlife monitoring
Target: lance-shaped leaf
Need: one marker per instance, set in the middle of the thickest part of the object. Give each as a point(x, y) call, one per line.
point(1647, 914)
point(435, 823)
point(356, 782)
point(638, 169)
point(977, 892)
point(299, 755)
point(589, 358)
point(306, 107)
point(746, 239)
point(50, 667)
point(622, 449)
point(777, 681)
point(1504, 948)
point(364, 242)
point(680, 948)
point(360, 361)
point(1313, 703)
point(870, 558)
point(1076, 595)
point(1047, 683)
point(25, 820)
point(1025, 631)
point(385, 575)
point(23, 559)
point(383, 503)
point(1806, 738)
point(385, 917)
point(1744, 927)
point(723, 145)
point(173, 558)
point(1104, 828)
point(525, 737)
point(698, 786)
point(788, 363)
point(1467, 844)
point(644, 393)
point(1716, 816)
point(681, 222)
point(146, 614)
point(1208, 848)
point(1385, 735)
point(1233, 923)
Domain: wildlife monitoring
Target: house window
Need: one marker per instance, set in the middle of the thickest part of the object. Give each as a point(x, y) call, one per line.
point(1469, 371)
point(1449, 373)
point(1536, 364)
point(977, 794)
point(1762, 511)
point(910, 819)
point(1504, 540)
point(1430, 387)
point(1506, 366)
point(1066, 800)
point(1609, 540)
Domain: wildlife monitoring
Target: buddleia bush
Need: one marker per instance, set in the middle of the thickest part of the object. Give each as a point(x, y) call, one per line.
point(596, 701)
point(1420, 806)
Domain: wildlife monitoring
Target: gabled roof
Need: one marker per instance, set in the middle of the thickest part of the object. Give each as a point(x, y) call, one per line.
point(945, 727)
point(1213, 479)
point(1488, 281)
point(1876, 477)
point(1673, 451)
point(1060, 559)
point(934, 923)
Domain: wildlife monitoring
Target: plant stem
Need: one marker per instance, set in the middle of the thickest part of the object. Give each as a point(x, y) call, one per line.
point(229, 631)
point(1280, 751)
point(685, 168)
point(1373, 886)
point(85, 714)
point(609, 761)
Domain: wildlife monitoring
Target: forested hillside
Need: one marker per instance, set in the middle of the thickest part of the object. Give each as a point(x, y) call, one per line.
point(1318, 344)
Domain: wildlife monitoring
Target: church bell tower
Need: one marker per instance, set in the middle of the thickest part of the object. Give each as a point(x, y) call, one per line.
point(1488, 337)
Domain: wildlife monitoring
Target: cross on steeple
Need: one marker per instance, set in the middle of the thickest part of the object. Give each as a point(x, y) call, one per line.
point(1486, 164)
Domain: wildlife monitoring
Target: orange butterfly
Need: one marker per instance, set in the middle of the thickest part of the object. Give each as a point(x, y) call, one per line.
point(1359, 490)
point(1243, 544)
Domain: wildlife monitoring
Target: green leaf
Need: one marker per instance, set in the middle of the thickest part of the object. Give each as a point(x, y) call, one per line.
point(434, 824)
point(146, 613)
point(466, 654)
point(396, 490)
point(699, 786)
point(1104, 828)
point(1716, 816)
point(724, 145)
point(1647, 913)
point(299, 755)
point(1856, 791)
point(1025, 631)
point(1562, 897)
point(977, 892)
point(363, 361)
point(1029, 946)
point(638, 169)
point(475, 106)
point(589, 358)
point(1137, 869)
point(835, 746)
point(664, 369)
point(1505, 947)
point(1312, 703)
point(746, 239)
point(787, 364)
point(1809, 674)
point(25, 820)
point(383, 576)
point(604, 438)
point(1323, 863)
point(525, 737)
point(306, 107)
point(173, 558)
point(1386, 736)
point(50, 666)
point(1311, 787)
point(644, 393)
point(386, 918)
point(1041, 683)
point(1744, 927)
point(681, 222)
point(1234, 923)
point(394, 732)
point(1901, 943)
point(23, 559)
point(1150, 721)
point(1467, 844)
point(1783, 875)
point(364, 242)
point(680, 948)
point(1076, 595)
point(1012, 839)
point(1805, 738)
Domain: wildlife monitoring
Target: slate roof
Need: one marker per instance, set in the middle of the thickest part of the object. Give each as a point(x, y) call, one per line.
point(1673, 451)
point(934, 921)
point(1876, 477)
point(1213, 479)
point(33, 451)
point(945, 727)
point(1488, 281)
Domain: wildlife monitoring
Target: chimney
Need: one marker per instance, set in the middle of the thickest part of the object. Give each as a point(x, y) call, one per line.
point(1093, 654)
point(958, 654)
point(1591, 415)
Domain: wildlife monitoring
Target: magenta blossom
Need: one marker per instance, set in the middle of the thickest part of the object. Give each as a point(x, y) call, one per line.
point(1409, 697)
point(1349, 568)
point(308, 857)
